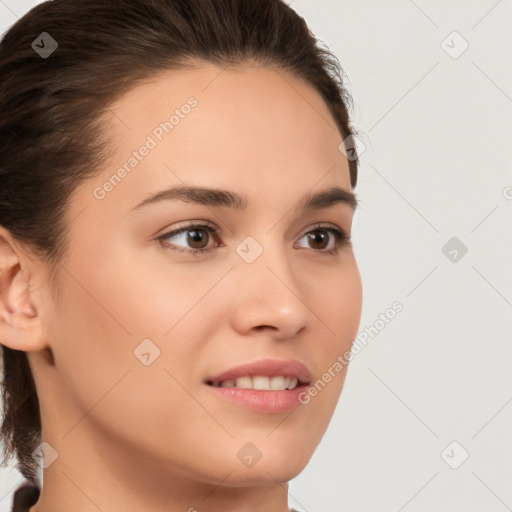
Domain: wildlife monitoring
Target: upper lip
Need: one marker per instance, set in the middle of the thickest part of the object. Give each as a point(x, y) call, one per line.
point(266, 368)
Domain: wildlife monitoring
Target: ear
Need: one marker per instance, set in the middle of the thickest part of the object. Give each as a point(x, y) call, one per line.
point(20, 324)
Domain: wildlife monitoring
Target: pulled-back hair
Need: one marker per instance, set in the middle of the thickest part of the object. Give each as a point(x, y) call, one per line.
point(51, 132)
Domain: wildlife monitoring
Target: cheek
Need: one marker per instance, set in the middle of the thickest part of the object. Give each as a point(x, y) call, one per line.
point(138, 298)
point(152, 296)
point(338, 305)
point(336, 299)
point(120, 313)
point(102, 372)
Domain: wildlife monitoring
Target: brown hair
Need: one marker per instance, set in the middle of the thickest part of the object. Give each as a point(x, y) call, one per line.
point(51, 108)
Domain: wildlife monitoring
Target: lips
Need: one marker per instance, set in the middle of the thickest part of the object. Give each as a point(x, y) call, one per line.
point(265, 368)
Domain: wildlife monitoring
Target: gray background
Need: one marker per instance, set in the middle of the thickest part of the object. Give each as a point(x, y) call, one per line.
point(432, 386)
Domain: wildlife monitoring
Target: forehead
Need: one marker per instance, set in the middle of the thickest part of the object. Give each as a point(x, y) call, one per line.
point(247, 101)
point(256, 130)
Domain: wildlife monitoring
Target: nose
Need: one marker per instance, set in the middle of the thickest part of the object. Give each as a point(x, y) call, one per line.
point(268, 296)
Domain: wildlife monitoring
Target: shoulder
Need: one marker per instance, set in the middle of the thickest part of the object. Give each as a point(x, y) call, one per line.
point(25, 496)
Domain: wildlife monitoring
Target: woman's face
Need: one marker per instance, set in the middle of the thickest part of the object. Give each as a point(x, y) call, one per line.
point(144, 323)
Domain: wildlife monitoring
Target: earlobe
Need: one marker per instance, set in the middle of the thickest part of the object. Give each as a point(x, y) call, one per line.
point(20, 324)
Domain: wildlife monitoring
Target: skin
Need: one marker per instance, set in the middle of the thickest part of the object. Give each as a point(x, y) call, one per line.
point(133, 437)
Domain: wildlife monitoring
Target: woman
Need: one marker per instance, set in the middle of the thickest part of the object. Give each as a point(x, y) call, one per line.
point(178, 281)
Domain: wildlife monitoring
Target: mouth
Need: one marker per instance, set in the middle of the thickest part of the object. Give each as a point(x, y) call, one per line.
point(267, 386)
point(260, 382)
point(264, 374)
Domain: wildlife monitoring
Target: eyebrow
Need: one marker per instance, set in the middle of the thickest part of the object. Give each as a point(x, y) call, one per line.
point(225, 198)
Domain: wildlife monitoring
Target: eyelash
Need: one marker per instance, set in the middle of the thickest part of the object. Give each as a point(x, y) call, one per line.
point(343, 239)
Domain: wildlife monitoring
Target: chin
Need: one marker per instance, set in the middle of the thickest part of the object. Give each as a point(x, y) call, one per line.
point(265, 476)
point(269, 470)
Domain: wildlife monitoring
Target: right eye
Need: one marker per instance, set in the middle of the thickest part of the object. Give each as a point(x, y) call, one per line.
point(190, 234)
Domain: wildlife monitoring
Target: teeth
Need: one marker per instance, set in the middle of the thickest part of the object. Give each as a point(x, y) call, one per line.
point(279, 383)
point(291, 382)
point(244, 382)
point(260, 382)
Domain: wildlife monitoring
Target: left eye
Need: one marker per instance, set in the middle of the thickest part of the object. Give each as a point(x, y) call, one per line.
point(320, 236)
point(200, 234)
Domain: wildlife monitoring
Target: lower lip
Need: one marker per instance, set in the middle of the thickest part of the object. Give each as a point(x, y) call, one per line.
point(266, 401)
